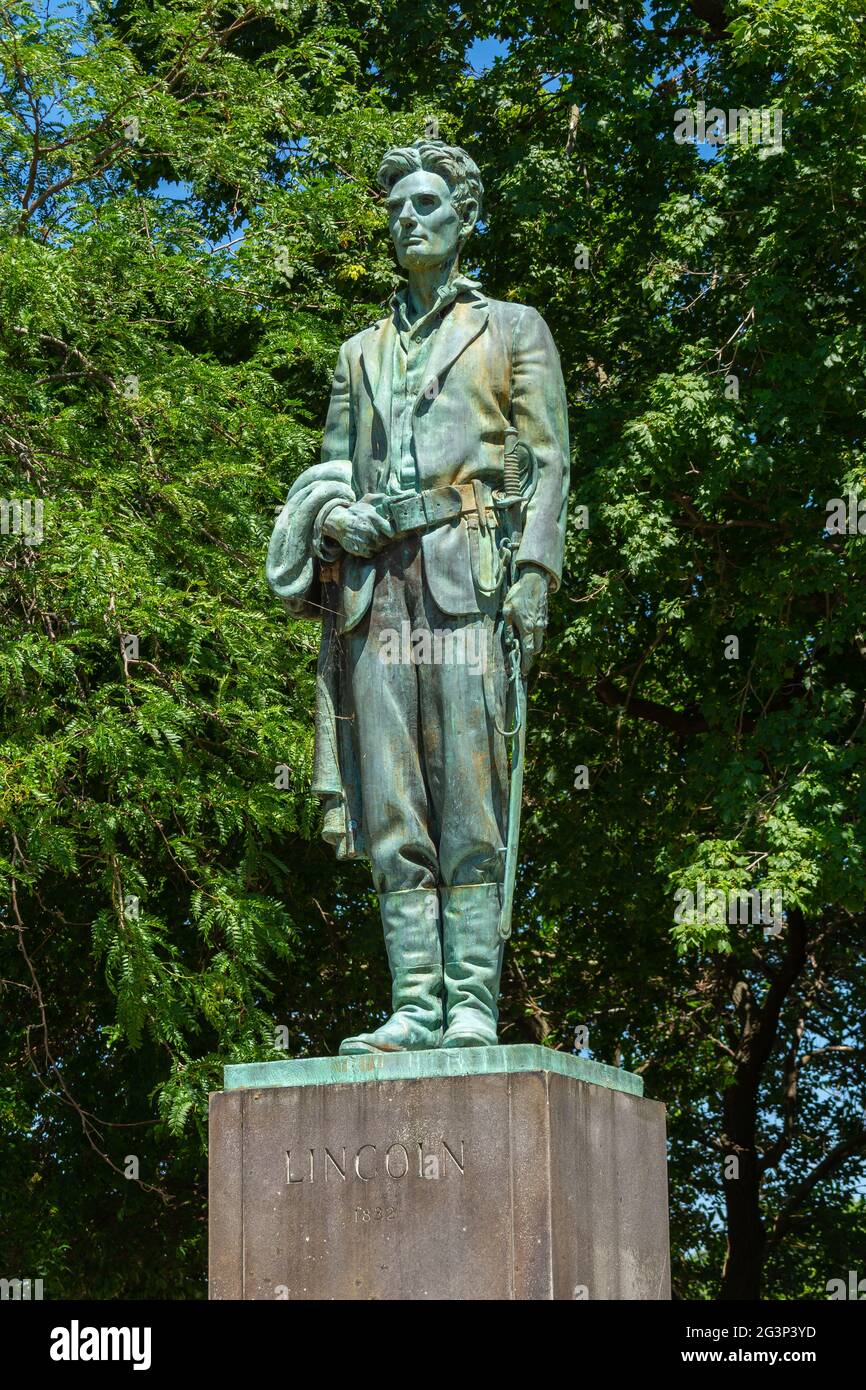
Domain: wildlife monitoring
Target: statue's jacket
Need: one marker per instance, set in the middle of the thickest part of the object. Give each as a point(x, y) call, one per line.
point(491, 364)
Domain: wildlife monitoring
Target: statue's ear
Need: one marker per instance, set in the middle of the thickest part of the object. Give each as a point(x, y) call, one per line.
point(470, 217)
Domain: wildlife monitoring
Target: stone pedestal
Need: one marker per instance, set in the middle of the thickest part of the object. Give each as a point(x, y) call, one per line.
point(482, 1173)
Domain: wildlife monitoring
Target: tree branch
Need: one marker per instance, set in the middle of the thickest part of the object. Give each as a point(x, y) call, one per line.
point(845, 1149)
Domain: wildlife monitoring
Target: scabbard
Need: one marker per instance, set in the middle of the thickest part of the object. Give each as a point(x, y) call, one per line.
point(515, 805)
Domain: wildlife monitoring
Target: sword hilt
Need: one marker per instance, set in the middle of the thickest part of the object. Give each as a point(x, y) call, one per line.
point(519, 479)
point(511, 465)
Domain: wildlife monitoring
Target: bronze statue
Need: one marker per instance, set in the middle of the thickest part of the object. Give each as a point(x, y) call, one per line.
point(426, 540)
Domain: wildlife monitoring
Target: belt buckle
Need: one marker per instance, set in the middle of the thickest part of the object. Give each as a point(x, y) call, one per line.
point(401, 511)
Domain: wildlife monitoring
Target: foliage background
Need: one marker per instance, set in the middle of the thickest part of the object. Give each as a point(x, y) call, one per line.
point(170, 310)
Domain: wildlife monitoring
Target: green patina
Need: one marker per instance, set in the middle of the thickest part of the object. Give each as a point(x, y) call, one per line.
point(433, 524)
point(412, 1066)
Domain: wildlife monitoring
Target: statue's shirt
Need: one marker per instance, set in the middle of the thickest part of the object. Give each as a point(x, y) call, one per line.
point(413, 343)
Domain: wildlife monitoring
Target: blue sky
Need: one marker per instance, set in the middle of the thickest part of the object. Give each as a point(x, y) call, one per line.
point(481, 53)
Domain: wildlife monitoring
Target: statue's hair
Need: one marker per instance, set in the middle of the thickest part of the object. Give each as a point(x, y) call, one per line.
point(452, 164)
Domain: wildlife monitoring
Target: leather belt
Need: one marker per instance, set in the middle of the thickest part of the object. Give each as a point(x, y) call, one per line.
point(420, 511)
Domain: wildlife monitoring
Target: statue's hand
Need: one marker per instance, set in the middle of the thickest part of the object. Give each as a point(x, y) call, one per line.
point(525, 607)
point(358, 528)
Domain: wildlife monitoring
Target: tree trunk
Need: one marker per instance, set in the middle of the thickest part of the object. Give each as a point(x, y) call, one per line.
point(759, 1032)
point(741, 1276)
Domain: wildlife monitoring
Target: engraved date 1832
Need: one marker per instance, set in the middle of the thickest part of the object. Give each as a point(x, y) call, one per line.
point(375, 1213)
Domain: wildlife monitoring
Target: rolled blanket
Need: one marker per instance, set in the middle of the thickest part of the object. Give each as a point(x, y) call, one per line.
point(291, 562)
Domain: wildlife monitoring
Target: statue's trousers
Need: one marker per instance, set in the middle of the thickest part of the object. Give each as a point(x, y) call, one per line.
point(426, 688)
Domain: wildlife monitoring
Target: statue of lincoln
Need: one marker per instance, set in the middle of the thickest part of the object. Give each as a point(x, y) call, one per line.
point(403, 541)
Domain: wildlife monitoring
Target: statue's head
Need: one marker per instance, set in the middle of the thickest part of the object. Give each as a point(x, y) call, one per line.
point(434, 195)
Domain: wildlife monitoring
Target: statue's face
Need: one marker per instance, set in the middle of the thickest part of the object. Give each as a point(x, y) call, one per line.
point(425, 227)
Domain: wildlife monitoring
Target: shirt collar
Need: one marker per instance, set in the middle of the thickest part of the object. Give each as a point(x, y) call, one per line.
point(446, 294)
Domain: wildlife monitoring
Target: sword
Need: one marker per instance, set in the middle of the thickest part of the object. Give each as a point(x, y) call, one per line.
point(520, 477)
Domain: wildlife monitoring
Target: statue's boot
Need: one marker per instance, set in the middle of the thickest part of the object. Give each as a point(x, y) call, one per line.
point(414, 944)
point(473, 954)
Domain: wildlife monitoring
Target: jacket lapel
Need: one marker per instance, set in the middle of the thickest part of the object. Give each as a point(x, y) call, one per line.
point(376, 346)
point(460, 327)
